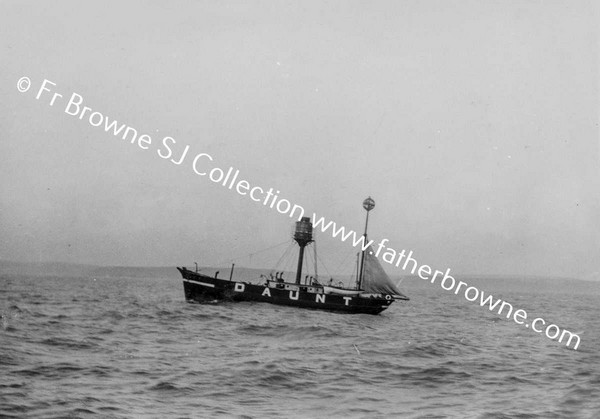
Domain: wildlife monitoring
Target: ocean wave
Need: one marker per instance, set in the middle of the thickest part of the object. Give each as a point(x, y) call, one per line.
point(135, 348)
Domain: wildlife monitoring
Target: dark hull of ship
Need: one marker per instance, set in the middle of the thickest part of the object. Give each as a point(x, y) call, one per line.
point(202, 288)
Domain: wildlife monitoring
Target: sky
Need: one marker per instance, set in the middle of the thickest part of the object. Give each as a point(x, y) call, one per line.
point(472, 124)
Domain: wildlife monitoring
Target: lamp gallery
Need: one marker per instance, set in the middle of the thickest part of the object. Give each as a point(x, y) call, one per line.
point(202, 166)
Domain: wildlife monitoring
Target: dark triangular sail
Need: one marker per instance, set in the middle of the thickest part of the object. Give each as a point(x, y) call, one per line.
point(375, 280)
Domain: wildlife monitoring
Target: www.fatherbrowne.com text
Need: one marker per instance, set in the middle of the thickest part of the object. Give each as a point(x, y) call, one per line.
point(202, 165)
point(448, 283)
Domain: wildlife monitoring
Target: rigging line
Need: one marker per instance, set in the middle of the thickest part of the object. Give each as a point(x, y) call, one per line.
point(247, 255)
point(344, 261)
point(287, 262)
point(306, 267)
point(354, 271)
point(305, 270)
point(305, 259)
point(314, 267)
point(325, 267)
point(287, 251)
point(315, 259)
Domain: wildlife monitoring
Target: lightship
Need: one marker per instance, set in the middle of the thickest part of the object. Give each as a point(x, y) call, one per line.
point(372, 293)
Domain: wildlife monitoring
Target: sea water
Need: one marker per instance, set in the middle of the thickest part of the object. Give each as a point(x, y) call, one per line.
point(131, 347)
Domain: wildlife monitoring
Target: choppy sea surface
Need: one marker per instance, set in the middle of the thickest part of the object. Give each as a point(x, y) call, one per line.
point(127, 347)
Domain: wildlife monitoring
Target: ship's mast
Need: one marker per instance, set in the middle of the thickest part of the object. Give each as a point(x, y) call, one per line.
point(368, 205)
point(303, 236)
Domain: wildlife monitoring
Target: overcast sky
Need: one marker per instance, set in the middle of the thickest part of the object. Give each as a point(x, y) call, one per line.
point(473, 125)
